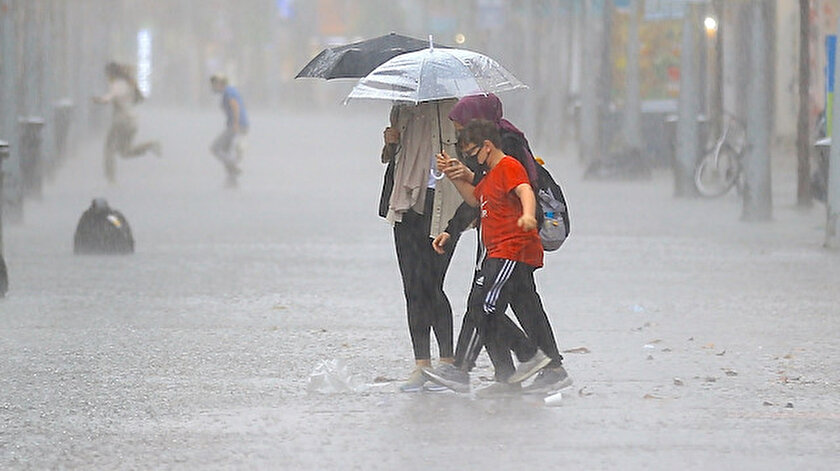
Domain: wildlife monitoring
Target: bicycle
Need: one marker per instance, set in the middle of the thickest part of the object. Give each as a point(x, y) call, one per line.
point(721, 167)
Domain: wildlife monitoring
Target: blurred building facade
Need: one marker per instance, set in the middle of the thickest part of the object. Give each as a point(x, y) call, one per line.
point(54, 51)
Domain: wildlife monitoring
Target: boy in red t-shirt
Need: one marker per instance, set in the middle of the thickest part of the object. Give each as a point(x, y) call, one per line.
point(513, 248)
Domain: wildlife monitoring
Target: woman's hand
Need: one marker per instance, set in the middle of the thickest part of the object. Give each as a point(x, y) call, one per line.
point(391, 135)
point(440, 241)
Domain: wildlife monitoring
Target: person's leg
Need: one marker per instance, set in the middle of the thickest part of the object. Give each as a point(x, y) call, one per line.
point(143, 148)
point(109, 153)
point(408, 246)
point(221, 146)
point(469, 344)
point(491, 305)
point(466, 350)
point(528, 308)
point(223, 149)
point(127, 129)
point(441, 309)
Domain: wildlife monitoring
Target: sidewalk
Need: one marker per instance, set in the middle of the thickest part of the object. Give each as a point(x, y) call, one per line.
point(709, 342)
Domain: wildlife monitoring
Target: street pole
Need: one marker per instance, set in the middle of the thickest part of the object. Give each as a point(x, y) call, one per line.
point(688, 135)
point(633, 104)
point(716, 106)
point(804, 136)
point(832, 226)
point(566, 29)
point(589, 110)
point(4, 275)
point(11, 198)
point(757, 199)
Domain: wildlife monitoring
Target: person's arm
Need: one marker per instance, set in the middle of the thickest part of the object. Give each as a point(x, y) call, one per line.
point(464, 187)
point(525, 194)
point(108, 96)
point(464, 216)
point(234, 110)
point(391, 136)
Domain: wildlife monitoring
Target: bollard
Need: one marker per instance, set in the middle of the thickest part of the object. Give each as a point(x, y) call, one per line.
point(63, 118)
point(30, 154)
point(4, 276)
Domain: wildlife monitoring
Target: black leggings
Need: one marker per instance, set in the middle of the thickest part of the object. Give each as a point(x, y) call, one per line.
point(423, 272)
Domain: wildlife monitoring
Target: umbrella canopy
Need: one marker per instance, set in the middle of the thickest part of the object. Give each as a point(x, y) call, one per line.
point(358, 59)
point(435, 74)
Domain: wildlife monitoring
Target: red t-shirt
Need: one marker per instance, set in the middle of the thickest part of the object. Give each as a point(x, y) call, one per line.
point(501, 209)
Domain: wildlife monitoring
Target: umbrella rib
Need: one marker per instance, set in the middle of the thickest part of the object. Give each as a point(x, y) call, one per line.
point(419, 78)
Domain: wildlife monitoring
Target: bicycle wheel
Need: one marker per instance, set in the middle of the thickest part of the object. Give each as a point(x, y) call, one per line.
point(714, 177)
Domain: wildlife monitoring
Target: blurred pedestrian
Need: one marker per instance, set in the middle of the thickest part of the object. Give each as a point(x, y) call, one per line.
point(525, 303)
point(123, 94)
point(418, 202)
point(229, 146)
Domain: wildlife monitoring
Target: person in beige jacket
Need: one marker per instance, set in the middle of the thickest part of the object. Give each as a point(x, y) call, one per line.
point(420, 204)
point(123, 94)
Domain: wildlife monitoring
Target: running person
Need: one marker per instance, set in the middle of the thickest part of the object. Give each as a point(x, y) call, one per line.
point(123, 94)
point(229, 146)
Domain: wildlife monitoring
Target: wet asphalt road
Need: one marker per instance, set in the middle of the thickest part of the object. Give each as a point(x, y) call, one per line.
point(707, 342)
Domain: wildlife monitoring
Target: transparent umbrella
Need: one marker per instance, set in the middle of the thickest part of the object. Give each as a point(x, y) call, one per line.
point(435, 74)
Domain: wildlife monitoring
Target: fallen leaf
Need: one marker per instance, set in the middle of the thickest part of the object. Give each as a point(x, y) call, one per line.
point(789, 405)
point(655, 341)
point(651, 396)
point(767, 403)
point(577, 350)
point(650, 357)
point(720, 354)
point(678, 382)
point(666, 349)
point(582, 392)
point(710, 379)
point(730, 372)
point(709, 346)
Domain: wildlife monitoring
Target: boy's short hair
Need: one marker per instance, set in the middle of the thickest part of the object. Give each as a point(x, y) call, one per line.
point(479, 130)
point(218, 78)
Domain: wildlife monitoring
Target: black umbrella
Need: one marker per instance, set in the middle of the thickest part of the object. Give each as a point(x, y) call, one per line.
point(358, 59)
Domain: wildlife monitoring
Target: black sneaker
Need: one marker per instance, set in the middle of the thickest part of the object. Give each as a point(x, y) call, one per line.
point(450, 376)
point(549, 380)
point(530, 368)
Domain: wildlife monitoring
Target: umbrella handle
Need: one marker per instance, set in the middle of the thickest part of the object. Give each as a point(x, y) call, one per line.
point(435, 175)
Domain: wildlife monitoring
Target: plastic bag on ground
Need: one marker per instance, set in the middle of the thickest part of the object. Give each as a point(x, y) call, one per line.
point(333, 376)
